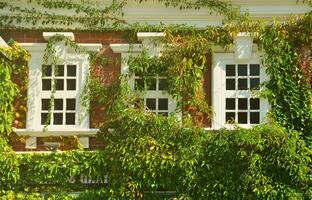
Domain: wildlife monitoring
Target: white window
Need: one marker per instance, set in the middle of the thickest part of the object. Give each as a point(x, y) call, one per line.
point(155, 97)
point(64, 110)
point(70, 76)
point(235, 84)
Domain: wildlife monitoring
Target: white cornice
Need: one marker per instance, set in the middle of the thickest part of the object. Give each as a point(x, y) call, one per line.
point(126, 48)
point(48, 35)
point(64, 132)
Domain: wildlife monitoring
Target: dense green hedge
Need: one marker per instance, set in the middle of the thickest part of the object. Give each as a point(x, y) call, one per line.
point(148, 153)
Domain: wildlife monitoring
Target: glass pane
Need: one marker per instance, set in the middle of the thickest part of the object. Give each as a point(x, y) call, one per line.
point(70, 118)
point(242, 104)
point(230, 103)
point(46, 84)
point(242, 84)
point(46, 70)
point(151, 104)
point(242, 117)
point(151, 84)
point(254, 117)
point(242, 70)
point(59, 84)
point(70, 104)
point(229, 117)
point(71, 84)
point(254, 70)
point(230, 84)
point(230, 70)
point(254, 83)
point(44, 118)
point(58, 104)
point(138, 84)
point(162, 104)
point(59, 71)
point(163, 84)
point(45, 104)
point(254, 104)
point(57, 118)
point(71, 70)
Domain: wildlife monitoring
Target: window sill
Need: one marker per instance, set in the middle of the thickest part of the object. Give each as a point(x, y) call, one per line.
point(40, 133)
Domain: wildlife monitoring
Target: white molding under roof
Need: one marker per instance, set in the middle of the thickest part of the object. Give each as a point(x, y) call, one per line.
point(126, 48)
point(40, 133)
point(3, 43)
point(48, 35)
point(143, 35)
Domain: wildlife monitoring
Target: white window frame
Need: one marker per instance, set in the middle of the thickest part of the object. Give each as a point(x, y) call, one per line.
point(128, 50)
point(220, 60)
point(35, 93)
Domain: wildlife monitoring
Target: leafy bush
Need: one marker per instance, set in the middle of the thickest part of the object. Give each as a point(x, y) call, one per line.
point(151, 153)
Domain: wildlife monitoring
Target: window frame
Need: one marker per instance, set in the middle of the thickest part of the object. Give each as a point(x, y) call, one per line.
point(34, 94)
point(220, 60)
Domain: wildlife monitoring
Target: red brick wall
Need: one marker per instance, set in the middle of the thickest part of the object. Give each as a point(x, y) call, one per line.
point(106, 74)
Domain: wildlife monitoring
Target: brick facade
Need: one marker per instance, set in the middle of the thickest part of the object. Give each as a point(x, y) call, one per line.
point(106, 74)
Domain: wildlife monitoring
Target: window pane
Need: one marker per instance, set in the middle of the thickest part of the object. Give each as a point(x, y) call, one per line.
point(58, 104)
point(242, 70)
point(44, 118)
point(254, 70)
point(71, 70)
point(162, 104)
point(59, 84)
point(70, 118)
point(57, 118)
point(254, 104)
point(59, 70)
point(163, 84)
point(46, 70)
point(45, 104)
point(254, 83)
point(138, 84)
point(151, 104)
point(242, 104)
point(46, 84)
point(242, 117)
point(229, 117)
point(230, 84)
point(151, 84)
point(254, 117)
point(230, 103)
point(70, 104)
point(230, 70)
point(71, 84)
point(242, 83)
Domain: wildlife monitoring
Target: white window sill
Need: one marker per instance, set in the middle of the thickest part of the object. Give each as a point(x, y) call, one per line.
point(40, 133)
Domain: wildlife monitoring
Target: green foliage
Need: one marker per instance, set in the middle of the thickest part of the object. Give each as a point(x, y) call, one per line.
point(288, 91)
point(152, 153)
point(12, 62)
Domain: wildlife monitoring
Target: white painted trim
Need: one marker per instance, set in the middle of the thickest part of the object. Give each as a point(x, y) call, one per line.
point(218, 88)
point(126, 48)
point(48, 35)
point(40, 133)
point(3, 43)
point(35, 93)
point(143, 35)
point(31, 143)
